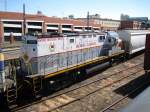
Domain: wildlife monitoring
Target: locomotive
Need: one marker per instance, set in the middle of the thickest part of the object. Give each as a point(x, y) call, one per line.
point(48, 55)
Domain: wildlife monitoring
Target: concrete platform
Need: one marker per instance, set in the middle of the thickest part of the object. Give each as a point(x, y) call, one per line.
point(140, 104)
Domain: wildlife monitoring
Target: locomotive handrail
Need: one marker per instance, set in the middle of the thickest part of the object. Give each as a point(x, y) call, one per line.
point(12, 72)
point(14, 75)
point(29, 68)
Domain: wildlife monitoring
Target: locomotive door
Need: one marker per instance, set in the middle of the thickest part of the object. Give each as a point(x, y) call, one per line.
point(72, 46)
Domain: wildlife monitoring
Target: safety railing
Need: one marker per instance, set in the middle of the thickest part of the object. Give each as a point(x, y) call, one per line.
point(54, 62)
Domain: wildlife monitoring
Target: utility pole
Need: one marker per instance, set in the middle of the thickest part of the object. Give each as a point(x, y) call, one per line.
point(88, 18)
point(24, 20)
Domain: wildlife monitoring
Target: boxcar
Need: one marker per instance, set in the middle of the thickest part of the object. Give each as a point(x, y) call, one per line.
point(133, 40)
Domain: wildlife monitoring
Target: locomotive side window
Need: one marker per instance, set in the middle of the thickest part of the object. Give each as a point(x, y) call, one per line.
point(52, 46)
point(94, 35)
point(84, 36)
point(71, 40)
point(101, 38)
point(31, 41)
point(89, 36)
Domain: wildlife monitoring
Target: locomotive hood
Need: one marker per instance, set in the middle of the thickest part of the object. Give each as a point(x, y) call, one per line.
point(113, 34)
point(114, 37)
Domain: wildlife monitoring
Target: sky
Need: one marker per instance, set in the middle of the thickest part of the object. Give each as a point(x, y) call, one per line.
point(62, 8)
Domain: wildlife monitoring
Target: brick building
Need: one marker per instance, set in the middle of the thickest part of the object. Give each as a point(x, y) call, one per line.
point(12, 22)
point(106, 24)
point(130, 24)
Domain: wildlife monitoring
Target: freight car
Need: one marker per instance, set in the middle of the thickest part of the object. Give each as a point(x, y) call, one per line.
point(141, 102)
point(48, 55)
point(133, 40)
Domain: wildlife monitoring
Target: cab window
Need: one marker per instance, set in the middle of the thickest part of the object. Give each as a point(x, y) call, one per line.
point(31, 41)
point(109, 40)
point(101, 38)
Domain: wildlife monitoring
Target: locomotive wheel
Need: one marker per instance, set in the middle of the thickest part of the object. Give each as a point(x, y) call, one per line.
point(3, 104)
point(128, 56)
point(122, 58)
point(28, 89)
point(79, 75)
point(2, 100)
point(83, 73)
point(75, 76)
point(146, 72)
point(56, 86)
point(111, 62)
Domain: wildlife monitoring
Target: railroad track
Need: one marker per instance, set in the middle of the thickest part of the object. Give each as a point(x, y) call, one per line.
point(94, 91)
point(57, 96)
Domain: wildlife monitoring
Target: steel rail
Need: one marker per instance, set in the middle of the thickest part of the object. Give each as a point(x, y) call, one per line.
point(94, 91)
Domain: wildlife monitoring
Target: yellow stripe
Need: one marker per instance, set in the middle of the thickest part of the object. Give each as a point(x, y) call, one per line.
point(1, 57)
point(102, 58)
point(75, 67)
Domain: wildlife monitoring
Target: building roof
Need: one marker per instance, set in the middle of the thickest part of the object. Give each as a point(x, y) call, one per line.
point(37, 17)
point(19, 16)
point(104, 19)
point(139, 19)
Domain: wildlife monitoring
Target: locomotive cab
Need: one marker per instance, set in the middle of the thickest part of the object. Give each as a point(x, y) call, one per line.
point(111, 44)
point(28, 52)
point(29, 48)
